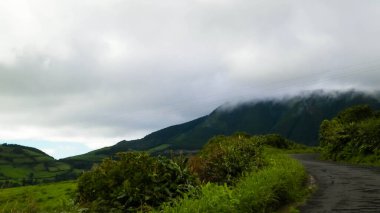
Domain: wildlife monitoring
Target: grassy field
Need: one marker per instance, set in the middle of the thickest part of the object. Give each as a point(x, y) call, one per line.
point(54, 197)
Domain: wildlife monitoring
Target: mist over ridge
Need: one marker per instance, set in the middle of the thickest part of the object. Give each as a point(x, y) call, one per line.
point(292, 97)
point(297, 118)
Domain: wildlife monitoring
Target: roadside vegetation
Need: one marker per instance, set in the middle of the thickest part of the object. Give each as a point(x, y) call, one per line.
point(279, 183)
point(352, 136)
point(238, 173)
point(135, 181)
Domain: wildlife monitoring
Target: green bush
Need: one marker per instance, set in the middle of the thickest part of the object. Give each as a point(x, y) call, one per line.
point(353, 135)
point(223, 159)
point(274, 140)
point(279, 183)
point(277, 141)
point(133, 182)
point(355, 114)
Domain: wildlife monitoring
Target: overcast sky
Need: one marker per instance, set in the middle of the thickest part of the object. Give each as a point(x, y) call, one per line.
point(76, 75)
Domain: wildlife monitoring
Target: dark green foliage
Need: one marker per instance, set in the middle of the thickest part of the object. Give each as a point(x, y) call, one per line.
point(352, 135)
point(135, 181)
point(223, 159)
point(355, 114)
point(277, 141)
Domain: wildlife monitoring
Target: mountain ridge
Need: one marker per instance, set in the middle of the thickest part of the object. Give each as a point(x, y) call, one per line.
point(294, 117)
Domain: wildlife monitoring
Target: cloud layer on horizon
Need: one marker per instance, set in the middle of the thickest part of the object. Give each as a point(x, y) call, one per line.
point(95, 72)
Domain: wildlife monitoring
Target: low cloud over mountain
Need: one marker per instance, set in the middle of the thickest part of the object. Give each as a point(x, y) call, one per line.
point(96, 72)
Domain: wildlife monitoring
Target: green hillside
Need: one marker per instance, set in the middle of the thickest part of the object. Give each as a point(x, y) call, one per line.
point(21, 165)
point(297, 118)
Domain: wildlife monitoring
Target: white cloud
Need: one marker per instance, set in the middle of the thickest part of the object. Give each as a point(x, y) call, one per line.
point(96, 72)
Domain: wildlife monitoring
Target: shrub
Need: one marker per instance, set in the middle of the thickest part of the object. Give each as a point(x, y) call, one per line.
point(353, 135)
point(279, 183)
point(225, 158)
point(355, 114)
point(133, 182)
point(277, 141)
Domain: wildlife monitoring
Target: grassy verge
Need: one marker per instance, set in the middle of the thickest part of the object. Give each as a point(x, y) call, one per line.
point(55, 197)
point(281, 182)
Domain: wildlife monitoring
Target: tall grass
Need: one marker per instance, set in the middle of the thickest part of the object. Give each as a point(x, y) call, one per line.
point(281, 182)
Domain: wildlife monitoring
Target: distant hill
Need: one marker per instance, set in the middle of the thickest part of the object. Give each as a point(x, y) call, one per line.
point(297, 118)
point(21, 165)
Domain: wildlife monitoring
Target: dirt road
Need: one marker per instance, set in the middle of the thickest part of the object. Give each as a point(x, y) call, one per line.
point(341, 187)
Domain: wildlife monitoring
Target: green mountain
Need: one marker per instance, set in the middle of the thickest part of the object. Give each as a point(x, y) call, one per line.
point(21, 165)
point(297, 118)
